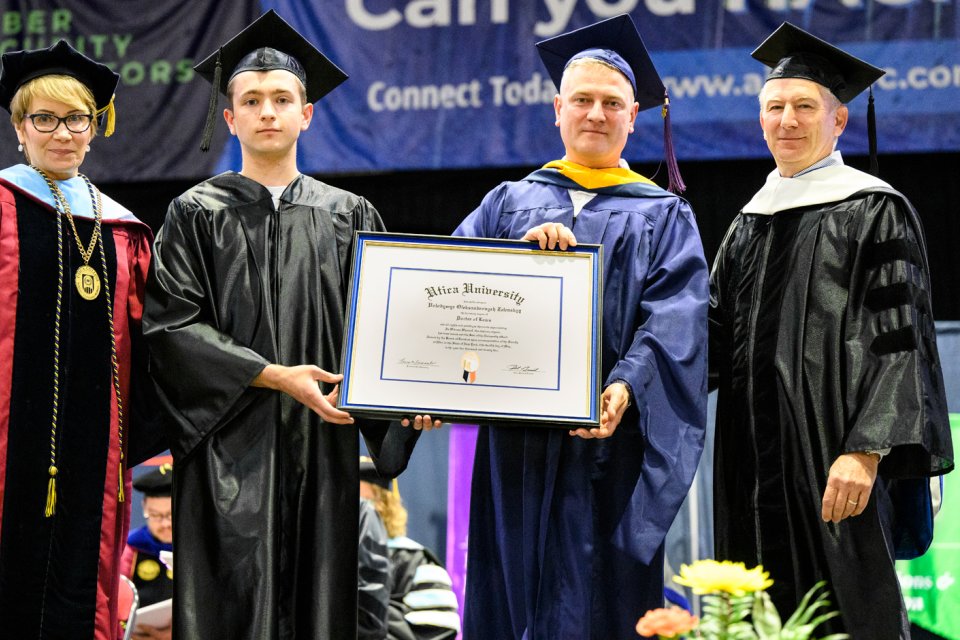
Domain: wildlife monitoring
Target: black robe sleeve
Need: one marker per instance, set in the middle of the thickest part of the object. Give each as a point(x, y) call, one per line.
point(715, 313)
point(895, 393)
point(177, 321)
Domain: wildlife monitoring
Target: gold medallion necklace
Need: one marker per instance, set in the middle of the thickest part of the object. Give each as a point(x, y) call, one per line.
point(88, 289)
point(85, 279)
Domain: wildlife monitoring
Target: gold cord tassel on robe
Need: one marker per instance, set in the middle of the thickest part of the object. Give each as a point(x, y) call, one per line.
point(111, 123)
point(120, 483)
point(51, 493)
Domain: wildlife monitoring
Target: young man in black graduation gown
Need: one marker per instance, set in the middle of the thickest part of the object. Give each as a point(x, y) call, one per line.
point(244, 316)
point(832, 415)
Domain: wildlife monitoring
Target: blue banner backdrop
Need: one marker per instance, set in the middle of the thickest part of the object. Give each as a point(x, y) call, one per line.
point(442, 84)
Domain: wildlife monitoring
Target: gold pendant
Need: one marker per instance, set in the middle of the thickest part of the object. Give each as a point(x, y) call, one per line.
point(87, 282)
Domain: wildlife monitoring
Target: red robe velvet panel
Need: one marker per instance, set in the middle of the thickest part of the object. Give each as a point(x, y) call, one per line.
point(59, 575)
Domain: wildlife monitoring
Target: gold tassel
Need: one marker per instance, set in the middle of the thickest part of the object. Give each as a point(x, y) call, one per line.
point(51, 493)
point(111, 112)
point(120, 484)
point(396, 488)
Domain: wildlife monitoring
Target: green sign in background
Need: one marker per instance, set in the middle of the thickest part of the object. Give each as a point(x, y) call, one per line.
point(930, 583)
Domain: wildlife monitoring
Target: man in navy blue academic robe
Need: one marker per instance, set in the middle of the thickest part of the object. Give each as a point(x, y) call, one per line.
point(567, 528)
point(571, 530)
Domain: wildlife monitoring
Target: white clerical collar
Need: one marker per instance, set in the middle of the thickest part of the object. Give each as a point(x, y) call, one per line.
point(832, 181)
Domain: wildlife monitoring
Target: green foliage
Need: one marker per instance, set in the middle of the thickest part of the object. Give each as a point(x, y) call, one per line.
point(726, 617)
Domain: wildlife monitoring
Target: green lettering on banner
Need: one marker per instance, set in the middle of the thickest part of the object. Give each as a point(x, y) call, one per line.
point(39, 29)
point(160, 72)
point(132, 72)
point(185, 70)
point(60, 20)
point(36, 22)
point(12, 23)
point(930, 587)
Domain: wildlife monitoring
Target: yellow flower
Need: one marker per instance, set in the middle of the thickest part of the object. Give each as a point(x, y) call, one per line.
point(710, 576)
point(666, 623)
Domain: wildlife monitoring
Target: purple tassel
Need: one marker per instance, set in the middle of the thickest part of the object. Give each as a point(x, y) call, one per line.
point(675, 184)
point(872, 136)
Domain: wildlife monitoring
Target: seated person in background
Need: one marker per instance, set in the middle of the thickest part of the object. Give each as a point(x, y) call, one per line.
point(141, 557)
point(422, 604)
point(373, 580)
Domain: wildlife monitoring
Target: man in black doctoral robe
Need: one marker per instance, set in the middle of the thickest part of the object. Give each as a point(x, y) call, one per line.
point(832, 415)
point(244, 316)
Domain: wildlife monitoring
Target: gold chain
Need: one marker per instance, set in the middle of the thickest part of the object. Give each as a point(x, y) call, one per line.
point(63, 208)
point(52, 469)
point(85, 252)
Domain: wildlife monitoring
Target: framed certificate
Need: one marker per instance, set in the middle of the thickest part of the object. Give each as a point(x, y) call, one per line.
point(473, 330)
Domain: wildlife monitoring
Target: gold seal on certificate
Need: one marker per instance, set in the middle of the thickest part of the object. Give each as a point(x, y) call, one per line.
point(470, 362)
point(473, 330)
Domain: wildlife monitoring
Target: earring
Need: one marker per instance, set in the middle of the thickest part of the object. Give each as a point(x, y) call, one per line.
point(88, 148)
point(20, 148)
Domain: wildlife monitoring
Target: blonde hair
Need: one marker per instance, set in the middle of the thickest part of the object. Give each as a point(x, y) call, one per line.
point(62, 88)
point(391, 510)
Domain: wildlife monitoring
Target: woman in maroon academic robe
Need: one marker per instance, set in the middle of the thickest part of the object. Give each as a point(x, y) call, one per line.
point(72, 269)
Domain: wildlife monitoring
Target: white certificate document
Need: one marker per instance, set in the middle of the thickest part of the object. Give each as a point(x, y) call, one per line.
point(473, 330)
point(452, 326)
point(159, 614)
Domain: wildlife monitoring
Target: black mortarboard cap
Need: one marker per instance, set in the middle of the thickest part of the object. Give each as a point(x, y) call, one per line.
point(19, 67)
point(794, 53)
point(368, 473)
point(155, 483)
point(617, 42)
point(270, 43)
point(267, 44)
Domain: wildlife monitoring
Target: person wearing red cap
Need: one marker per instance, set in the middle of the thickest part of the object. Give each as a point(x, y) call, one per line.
point(567, 533)
point(831, 415)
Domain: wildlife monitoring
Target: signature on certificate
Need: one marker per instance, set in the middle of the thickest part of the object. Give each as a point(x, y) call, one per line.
point(417, 364)
point(522, 369)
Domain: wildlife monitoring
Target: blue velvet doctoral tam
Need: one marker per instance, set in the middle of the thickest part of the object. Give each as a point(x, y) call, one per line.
point(566, 534)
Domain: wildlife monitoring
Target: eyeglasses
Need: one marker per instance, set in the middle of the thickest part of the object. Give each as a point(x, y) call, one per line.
point(48, 123)
point(159, 517)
